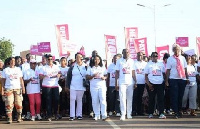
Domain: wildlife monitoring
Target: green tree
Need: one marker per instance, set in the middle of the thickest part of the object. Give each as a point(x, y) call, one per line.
point(6, 48)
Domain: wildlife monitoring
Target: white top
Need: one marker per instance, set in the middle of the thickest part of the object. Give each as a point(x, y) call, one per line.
point(12, 76)
point(191, 73)
point(77, 79)
point(111, 70)
point(171, 64)
point(97, 82)
point(139, 71)
point(155, 72)
point(25, 67)
point(50, 73)
point(125, 68)
point(64, 71)
point(32, 86)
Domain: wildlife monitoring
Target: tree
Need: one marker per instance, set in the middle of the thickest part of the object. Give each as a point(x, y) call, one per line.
point(6, 48)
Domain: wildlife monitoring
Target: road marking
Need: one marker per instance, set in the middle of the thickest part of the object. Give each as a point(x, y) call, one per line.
point(113, 124)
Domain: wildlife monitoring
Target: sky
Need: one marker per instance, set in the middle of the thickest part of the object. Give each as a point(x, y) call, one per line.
point(26, 22)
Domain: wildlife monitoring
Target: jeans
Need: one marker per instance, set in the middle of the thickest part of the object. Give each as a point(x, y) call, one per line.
point(177, 88)
point(51, 94)
point(113, 100)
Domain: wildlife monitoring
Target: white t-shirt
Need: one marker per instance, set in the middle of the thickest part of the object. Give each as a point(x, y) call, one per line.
point(191, 73)
point(64, 71)
point(139, 71)
point(77, 79)
point(51, 79)
point(32, 86)
point(12, 76)
point(97, 82)
point(155, 72)
point(112, 70)
point(125, 68)
point(25, 67)
point(171, 64)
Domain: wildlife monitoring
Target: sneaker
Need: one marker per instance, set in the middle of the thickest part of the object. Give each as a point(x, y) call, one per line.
point(91, 114)
point(96, 118)
point(104, 118)
point(49, 119)
point(28, 116)
point(110, 113)
point(168, 112)
point(9, 121)
point(129, 117)
point(176, 116)
point(118, 114)
point(150, 116)
point(162, 116)
point(33, 118)
point(58, 116)
point(79, 117)
point(122, 118)
point(38, 117)
point(71, 118)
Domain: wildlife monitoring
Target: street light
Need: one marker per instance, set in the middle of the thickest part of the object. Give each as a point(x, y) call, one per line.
point(154, 17)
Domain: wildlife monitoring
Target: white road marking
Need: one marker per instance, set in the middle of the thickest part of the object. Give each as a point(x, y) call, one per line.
point(113, 124)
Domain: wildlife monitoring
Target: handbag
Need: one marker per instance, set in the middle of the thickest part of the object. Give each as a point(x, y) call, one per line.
point(86, 82)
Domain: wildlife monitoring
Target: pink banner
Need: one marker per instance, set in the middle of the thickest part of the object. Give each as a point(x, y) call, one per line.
point(161, 51)
point(34, 50)
point(198, 46)
point(44, 47)
point(182, 41)
point(130, 34)
point(111, 48)
point(141, 45)
point(62, 35)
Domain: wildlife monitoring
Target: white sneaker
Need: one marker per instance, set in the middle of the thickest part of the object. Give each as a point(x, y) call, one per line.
point(110, 113)
point(33, 118)
point(28, 116)
point(122, 118)
point(91, 114)
point(96, 118)
point(39, 117)
point(118, 114)
point(129, 117)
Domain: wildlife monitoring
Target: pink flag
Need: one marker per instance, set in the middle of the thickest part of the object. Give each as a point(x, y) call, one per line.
point(130, 34)
point(182, 41)
point(82, 51)
point(198, 45)
point(44, 47)
point(161, 51)
point(141, 45)
point(62, 35)
point(111, 48)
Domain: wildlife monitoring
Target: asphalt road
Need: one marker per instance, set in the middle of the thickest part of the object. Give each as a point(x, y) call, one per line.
point(112, 122)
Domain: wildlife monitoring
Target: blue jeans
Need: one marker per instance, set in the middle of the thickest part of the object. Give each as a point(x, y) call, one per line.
point(177, 88)
point(49, 95)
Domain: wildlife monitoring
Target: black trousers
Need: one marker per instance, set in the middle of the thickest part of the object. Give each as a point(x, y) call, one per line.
point(140, 91)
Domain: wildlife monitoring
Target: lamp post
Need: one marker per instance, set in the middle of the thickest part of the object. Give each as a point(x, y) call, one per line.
point(154, 18)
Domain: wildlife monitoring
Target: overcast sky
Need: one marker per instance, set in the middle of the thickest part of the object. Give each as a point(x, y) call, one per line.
point(27, 22)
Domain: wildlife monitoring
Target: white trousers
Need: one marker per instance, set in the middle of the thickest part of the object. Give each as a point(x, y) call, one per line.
point(99, 100)
point(126, 98)
point(76, 95)
point(191, 94)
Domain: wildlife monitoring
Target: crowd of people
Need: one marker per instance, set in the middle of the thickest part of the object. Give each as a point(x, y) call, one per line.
point(125, 88)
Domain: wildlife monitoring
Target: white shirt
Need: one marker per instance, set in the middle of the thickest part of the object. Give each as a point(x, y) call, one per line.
point(32, 86)
point(64, 71)
point(25, 67)
point(12, 76)
point(139, 71)
point(111, 70)
point(155, 72)
point(171, 64)
point(97, 82)
point(125, 68)
point(51, 79)
point(191, 70)
point(77, 79)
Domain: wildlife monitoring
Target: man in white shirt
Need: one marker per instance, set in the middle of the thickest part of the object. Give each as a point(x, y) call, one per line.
point(140, 77)
point(126, 74)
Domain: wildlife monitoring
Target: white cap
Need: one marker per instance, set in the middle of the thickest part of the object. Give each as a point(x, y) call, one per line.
point(33, 61)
